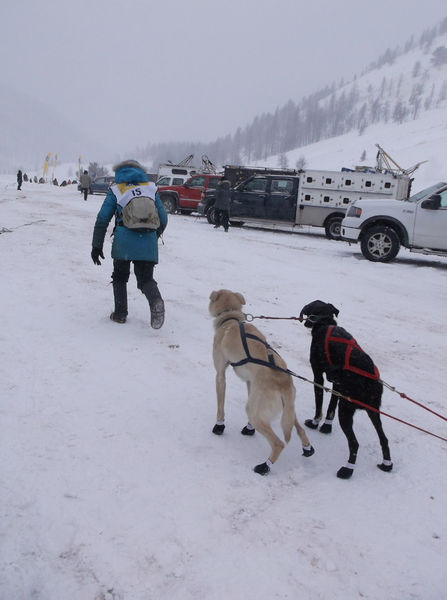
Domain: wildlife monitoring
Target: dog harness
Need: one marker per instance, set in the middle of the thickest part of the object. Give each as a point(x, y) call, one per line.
point(258, 361)
point(351, 345)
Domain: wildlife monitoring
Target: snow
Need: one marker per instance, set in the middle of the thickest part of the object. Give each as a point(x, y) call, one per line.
point(114, 487)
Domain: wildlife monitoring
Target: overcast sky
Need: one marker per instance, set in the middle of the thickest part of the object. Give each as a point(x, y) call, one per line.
point(135, 71)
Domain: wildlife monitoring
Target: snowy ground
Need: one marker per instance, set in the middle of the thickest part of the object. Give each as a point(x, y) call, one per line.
point(112, 484)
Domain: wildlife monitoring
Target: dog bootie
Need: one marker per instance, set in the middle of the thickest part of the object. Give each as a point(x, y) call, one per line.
point(218, 428)
point(308, 451)
point(248, 430)
point(345, 472)
point(118, 318)
point(326, 428)
point(386, 466)
point(263, 468)
point(311, 423)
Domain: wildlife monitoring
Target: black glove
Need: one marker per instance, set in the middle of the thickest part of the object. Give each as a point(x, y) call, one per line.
point(96, 253)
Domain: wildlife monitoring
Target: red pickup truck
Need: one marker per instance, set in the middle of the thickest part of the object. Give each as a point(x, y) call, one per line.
point(185, 198)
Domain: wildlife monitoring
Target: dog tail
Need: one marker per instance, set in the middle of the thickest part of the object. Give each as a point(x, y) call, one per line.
point(288, 417)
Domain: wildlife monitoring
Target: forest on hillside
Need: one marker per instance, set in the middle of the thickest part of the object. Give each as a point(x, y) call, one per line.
point(333, 110)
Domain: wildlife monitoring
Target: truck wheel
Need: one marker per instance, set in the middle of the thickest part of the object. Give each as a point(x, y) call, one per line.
point(170, 204)
point(332, 228)
point(380, 244)
point(211, 215)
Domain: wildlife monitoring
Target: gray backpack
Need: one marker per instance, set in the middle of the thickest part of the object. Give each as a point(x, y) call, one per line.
point(141, 211)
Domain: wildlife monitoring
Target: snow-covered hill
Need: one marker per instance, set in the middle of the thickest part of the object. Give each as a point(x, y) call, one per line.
point(402, 87)
point(408, 143)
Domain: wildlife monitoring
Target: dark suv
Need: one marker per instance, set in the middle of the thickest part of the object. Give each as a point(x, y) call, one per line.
point(251, 191)
point(100, 185)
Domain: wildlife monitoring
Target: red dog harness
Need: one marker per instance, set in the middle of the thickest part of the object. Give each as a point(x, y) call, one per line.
point(350, 346)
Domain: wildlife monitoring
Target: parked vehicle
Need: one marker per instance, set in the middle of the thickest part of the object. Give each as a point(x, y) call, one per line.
point(315, 198)
point(176, 174)
point(185, 198)
point(100, 185)
point(171, 180)
point(418, 223)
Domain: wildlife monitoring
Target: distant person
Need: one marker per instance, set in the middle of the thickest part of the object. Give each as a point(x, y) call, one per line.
point(19, 179)
point(25, 177)
point(35, 179)
point(55, 182)
point(222, 204)
point(85, 182)
point(140, 219)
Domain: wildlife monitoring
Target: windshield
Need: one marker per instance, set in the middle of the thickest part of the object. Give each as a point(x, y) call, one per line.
point(426, 192)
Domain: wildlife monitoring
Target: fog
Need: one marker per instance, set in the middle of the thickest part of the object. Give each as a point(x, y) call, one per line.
point(145, 71)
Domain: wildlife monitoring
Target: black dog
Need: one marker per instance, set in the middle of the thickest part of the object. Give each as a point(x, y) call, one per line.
point(335, 352)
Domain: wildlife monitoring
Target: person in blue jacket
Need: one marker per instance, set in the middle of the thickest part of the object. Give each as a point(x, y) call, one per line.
point(139, 246)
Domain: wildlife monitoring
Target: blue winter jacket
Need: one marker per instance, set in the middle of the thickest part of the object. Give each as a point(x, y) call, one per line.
point(128, 244)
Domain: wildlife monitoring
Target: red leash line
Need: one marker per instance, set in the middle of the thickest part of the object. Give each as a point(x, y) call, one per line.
point(403, 395)
point(250, 318)
point(395, 418)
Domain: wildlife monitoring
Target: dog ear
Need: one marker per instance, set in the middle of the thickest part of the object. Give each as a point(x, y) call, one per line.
point(214, 295)
point(240, 297)
point(334, 310)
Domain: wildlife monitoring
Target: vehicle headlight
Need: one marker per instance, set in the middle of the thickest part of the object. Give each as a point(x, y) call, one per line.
point(354, 211)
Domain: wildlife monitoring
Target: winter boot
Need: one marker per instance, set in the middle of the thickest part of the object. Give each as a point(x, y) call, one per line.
point(119, 315)
point(156, 304)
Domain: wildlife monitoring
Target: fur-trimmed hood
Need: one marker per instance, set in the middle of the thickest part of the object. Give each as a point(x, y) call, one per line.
point(130, 171)
point(128, 163)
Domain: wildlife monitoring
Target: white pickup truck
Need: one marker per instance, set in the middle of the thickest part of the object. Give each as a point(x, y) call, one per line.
point(382, 226)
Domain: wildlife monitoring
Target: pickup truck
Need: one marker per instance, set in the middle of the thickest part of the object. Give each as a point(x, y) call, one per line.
point(418, 223)
point(315, 198)
point(185, 198)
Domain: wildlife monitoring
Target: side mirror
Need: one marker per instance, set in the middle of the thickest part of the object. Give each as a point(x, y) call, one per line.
point(432, 203)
